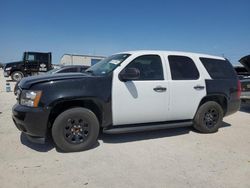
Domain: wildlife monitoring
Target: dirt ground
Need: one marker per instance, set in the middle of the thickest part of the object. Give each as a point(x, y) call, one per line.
point(167, 158)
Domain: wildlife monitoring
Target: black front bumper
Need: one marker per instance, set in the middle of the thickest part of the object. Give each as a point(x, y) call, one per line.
point(6, 73)
point(31, 121)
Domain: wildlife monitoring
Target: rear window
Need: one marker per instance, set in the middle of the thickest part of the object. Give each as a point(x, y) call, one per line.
point(218, 69)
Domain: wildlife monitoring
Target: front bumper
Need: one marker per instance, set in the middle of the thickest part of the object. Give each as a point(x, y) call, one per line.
point(31, 121)
point(6, 73)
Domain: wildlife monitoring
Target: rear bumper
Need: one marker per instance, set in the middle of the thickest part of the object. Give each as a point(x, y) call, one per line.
point(32, 121)
point(233, 106)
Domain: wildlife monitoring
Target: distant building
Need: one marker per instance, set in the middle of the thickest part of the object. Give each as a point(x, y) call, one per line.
point(87, 60)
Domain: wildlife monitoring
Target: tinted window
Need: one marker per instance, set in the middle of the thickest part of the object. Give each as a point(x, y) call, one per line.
point(218, 69)
point(42, 57)
point(31, 57)
point(68, 70)
point(82, 69)
point(150, 67)
point(182, 68)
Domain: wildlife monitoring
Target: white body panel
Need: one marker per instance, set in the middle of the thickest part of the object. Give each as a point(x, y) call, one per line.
point(184, 99)
point(136, 101)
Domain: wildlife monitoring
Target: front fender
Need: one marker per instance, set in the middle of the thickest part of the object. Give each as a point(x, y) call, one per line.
point(78, 92)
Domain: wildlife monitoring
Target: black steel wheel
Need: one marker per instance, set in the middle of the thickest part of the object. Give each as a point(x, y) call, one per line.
point(75, 129)
point(209, 117)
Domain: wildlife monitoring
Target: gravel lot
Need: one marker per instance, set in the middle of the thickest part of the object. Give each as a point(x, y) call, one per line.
point(169, 158)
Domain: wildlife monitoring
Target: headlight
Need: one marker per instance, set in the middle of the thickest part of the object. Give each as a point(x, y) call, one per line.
point(30, 98)
point(8, 68)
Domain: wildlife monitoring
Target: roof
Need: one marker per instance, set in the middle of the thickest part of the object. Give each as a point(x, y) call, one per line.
point(69, 66)
point(84, 55)
point(174, 53)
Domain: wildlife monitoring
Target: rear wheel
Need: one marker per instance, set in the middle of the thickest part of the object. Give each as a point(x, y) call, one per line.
point(17, 75)
point(209, 117)
point(75, 129)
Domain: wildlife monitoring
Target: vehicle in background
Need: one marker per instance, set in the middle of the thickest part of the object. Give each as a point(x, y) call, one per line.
point(57, 66)
point(241, 71)
point(63, 69)
point(1, 65)
point(32, 64)
point(86, 60)
point(68, 69)
point(245, 81)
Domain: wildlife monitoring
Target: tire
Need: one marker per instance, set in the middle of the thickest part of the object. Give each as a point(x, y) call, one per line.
point(16, 75)
point(208, 118)
point(76, 129)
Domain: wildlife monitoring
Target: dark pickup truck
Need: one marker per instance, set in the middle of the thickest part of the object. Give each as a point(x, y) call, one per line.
point(31, 64)
point(245, 81)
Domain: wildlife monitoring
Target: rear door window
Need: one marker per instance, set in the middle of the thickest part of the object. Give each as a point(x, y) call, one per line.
point(183, 68)
point(219, 69)
point(66, 70)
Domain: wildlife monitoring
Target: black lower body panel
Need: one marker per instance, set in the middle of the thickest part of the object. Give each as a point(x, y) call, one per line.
point(31, 121)
point(147, 127)
point(233, 106)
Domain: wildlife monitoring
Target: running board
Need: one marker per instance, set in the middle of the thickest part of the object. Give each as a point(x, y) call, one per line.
point(145, 127)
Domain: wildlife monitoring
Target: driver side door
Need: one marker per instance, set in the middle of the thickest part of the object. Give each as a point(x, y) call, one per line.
point(142, 100)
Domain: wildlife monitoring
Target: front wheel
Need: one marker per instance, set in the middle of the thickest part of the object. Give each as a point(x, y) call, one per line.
point(208, 118)
point(17, 76)
point(75, 129)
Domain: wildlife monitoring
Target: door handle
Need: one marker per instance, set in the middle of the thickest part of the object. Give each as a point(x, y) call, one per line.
point(160, 89)
point(198, 87)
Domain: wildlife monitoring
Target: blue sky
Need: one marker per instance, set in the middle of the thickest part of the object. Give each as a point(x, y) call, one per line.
point(110, 26)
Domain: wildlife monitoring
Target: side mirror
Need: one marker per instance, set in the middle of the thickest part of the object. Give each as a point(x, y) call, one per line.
point(129, 74)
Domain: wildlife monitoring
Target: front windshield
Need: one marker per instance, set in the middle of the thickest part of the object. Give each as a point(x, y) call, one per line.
point(107, 65)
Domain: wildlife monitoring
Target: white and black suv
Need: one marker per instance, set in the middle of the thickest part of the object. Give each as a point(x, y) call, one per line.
point(127, 92)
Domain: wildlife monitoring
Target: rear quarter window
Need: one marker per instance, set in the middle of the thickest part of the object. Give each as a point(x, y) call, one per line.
point(219, 69)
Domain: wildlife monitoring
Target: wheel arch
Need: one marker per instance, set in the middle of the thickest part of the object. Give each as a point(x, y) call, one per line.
point(221, 99)
point(61, 106)
point(15, 70)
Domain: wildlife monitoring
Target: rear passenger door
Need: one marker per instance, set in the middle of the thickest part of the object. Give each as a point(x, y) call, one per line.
point(187, 87)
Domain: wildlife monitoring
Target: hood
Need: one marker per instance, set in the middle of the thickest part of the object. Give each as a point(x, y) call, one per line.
point(12, 64)
point(245, 61)
point(27, 82)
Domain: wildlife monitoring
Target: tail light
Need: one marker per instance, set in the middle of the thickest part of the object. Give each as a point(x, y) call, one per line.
point(238, 89)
